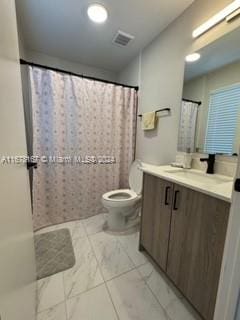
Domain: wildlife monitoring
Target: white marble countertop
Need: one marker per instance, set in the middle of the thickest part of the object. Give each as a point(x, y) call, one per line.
point(221, 190)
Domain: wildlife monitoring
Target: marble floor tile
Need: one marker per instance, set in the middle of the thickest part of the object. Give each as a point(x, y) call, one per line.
point(179, 309)
point(111, 256)
point(94, 224)
point(92, 305)
point(76, 229)
point(159, 285)
point(86, 273)
point(168, 296)
point(137, 294)
point(133, 299)
point(130, 245)
point(50, 292)
point(55, 313)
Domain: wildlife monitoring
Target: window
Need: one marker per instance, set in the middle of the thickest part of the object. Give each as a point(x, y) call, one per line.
point(223, 120)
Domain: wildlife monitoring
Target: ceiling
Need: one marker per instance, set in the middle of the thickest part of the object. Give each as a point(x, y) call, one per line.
point(62, 29)
point(219, 53)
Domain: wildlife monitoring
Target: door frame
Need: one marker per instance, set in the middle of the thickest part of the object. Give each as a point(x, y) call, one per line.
point(229, 284)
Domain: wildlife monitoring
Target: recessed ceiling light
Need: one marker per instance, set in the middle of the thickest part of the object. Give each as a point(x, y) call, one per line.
point(193, 57)
point(97, 13)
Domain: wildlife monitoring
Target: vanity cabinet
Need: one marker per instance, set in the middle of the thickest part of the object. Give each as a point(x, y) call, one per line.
point(156, 218)
point(184, 232)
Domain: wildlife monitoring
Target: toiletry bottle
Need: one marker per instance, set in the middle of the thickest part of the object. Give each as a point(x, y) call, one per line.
point(188, 159)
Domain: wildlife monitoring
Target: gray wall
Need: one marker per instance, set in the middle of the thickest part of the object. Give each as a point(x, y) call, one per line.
point(131, 75)
point(161, 76)
point(237, 317)
point(55, 62)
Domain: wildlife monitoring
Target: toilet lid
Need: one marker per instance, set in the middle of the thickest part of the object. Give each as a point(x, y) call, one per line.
point(136, 177)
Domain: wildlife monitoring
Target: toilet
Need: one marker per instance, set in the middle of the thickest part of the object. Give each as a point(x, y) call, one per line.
point(124, 205)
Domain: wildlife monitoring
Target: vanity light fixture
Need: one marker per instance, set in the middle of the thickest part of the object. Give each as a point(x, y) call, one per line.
point(193, 57)
point(217, 18)
point(233, 16)
point(97, 13)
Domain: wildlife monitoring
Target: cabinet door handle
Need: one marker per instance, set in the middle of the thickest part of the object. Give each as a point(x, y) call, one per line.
point(175, 200)
point(166, 195)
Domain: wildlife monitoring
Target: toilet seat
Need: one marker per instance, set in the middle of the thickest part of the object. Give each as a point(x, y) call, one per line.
point(122, 198)
point(121, 195)
point(123, 204)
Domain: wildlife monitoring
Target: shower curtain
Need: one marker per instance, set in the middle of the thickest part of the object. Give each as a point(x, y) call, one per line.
point(187, 128)
point(76, 118)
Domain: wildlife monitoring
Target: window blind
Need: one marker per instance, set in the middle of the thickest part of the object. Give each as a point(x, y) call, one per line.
point(223, 119)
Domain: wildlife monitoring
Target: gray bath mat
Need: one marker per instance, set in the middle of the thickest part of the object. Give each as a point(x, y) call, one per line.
point(54, 252)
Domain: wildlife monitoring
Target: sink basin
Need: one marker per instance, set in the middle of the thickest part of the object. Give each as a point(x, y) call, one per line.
point(200, 177)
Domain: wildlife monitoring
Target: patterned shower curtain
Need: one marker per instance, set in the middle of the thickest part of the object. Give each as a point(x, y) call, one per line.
point(187, 128)
point(76, 118)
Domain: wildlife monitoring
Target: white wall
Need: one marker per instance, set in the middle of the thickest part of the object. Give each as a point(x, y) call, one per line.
point(17, 258)
point(162, 69)
point(21, 45)
point(55, 62)
point(238, 311)
point(131, 75)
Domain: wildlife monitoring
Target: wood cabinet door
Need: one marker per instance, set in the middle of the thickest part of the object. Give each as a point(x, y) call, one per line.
point(156, 217)
point(198, 231)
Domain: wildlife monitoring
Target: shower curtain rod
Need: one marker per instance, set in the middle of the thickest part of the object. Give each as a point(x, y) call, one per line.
point(197, 102)
point(24, 62)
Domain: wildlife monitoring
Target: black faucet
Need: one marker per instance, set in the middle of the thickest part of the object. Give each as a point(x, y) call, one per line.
point(210, 161)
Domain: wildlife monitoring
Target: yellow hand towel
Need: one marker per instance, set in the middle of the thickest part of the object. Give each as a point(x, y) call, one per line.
point(149, 120)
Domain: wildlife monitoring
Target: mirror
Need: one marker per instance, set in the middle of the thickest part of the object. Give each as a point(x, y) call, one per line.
point(210, 111)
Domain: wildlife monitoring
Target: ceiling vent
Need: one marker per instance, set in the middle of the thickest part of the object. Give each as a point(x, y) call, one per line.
point(122, 39)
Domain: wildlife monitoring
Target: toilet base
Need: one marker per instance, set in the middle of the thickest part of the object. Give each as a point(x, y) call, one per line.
point(124, 231)
point(121, 223)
